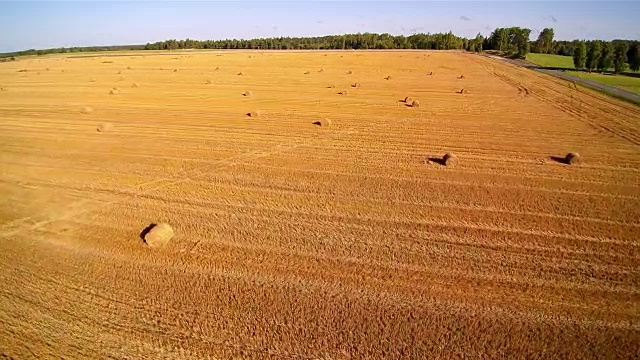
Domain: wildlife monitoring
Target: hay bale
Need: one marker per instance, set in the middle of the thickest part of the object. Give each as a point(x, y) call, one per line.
point(349, 72)
point(135, 85)
point(208, 82)
point(344, 92)
point(128, 67)
point(323, 123)
point(119, 72)
point(158, 235)
point(461, 77)
point(247, 93)
point(573, 159)
point(408, 100)
point(307, 72)
point(321, 69)
point(449, 159)
point(462, 91)
point(217, 68)
point(240, 73)
point(415, 103)
point(388, 77)
point(114, 91)
point(253, 114)
point(430, 73)
point(331, 86)
point(104, 127)
point(355, 85)
point(175, 70)
point(86, 110)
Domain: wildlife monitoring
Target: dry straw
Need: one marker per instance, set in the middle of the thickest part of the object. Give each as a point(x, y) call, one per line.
point(449, 159)
point(104, 127)
point(159, 235)
point(323, 123)
point(573, 159)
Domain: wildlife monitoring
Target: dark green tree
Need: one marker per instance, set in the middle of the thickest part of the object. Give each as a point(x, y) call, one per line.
point(620, 57)
point(633, 55)
point(593, 54)
point(580, 55)
point(545, 41)
point(606, 57)
point(522, 43)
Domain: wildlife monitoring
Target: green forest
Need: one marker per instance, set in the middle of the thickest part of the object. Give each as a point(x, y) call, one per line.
point(512, 41)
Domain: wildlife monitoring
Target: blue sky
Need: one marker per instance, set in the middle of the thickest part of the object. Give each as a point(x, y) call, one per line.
point(25, 25)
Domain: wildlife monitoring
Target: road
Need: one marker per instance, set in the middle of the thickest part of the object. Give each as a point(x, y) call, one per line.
point(610, 90)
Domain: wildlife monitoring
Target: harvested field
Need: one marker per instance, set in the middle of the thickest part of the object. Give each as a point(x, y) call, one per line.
point(296, 241)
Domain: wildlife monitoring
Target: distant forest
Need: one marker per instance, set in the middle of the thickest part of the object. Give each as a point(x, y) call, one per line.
point(513, 41)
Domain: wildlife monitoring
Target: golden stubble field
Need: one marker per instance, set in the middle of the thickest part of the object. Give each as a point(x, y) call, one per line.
point(301, 241)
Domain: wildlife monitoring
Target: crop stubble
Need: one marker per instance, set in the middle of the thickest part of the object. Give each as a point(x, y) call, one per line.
point(298, 241)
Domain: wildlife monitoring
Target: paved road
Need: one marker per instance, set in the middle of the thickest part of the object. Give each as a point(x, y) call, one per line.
point(611, 90)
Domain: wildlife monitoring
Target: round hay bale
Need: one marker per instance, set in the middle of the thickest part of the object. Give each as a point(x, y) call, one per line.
point(430, 73)
point(113, 92)
point(208, 82)
point(461, 77)
point(344, 92)
point(119, 72)
point(408, 100)
point(128, 67)
point(247, 93)
point(323, 123)
point(87, 110)
point(355, 85)
point(349, 72)
point(462, 91)
point(573, 159)
point(253, 114)
point(307, 72)
point(135, 85)
point(449, 159)
point(415, 103)
point(217, 68)
point(240, 73)
point(321, 69)
point(159, 235)
point(388, 77)
point(104, 127)
point(331, 86)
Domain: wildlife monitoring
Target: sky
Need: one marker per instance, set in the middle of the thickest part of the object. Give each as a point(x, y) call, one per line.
point(39, 25)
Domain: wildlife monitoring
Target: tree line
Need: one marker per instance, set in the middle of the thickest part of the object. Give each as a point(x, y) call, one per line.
point(440, 41)
point(69, 50)
point(513, 41)
point(602, 55)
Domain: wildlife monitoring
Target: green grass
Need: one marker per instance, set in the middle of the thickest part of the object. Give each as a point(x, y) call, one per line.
point(620, 81)
point(549, 60)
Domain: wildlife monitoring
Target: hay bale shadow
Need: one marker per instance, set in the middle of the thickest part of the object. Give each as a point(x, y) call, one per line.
point(146, 230)
point(559, 159)
point(438, 160)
